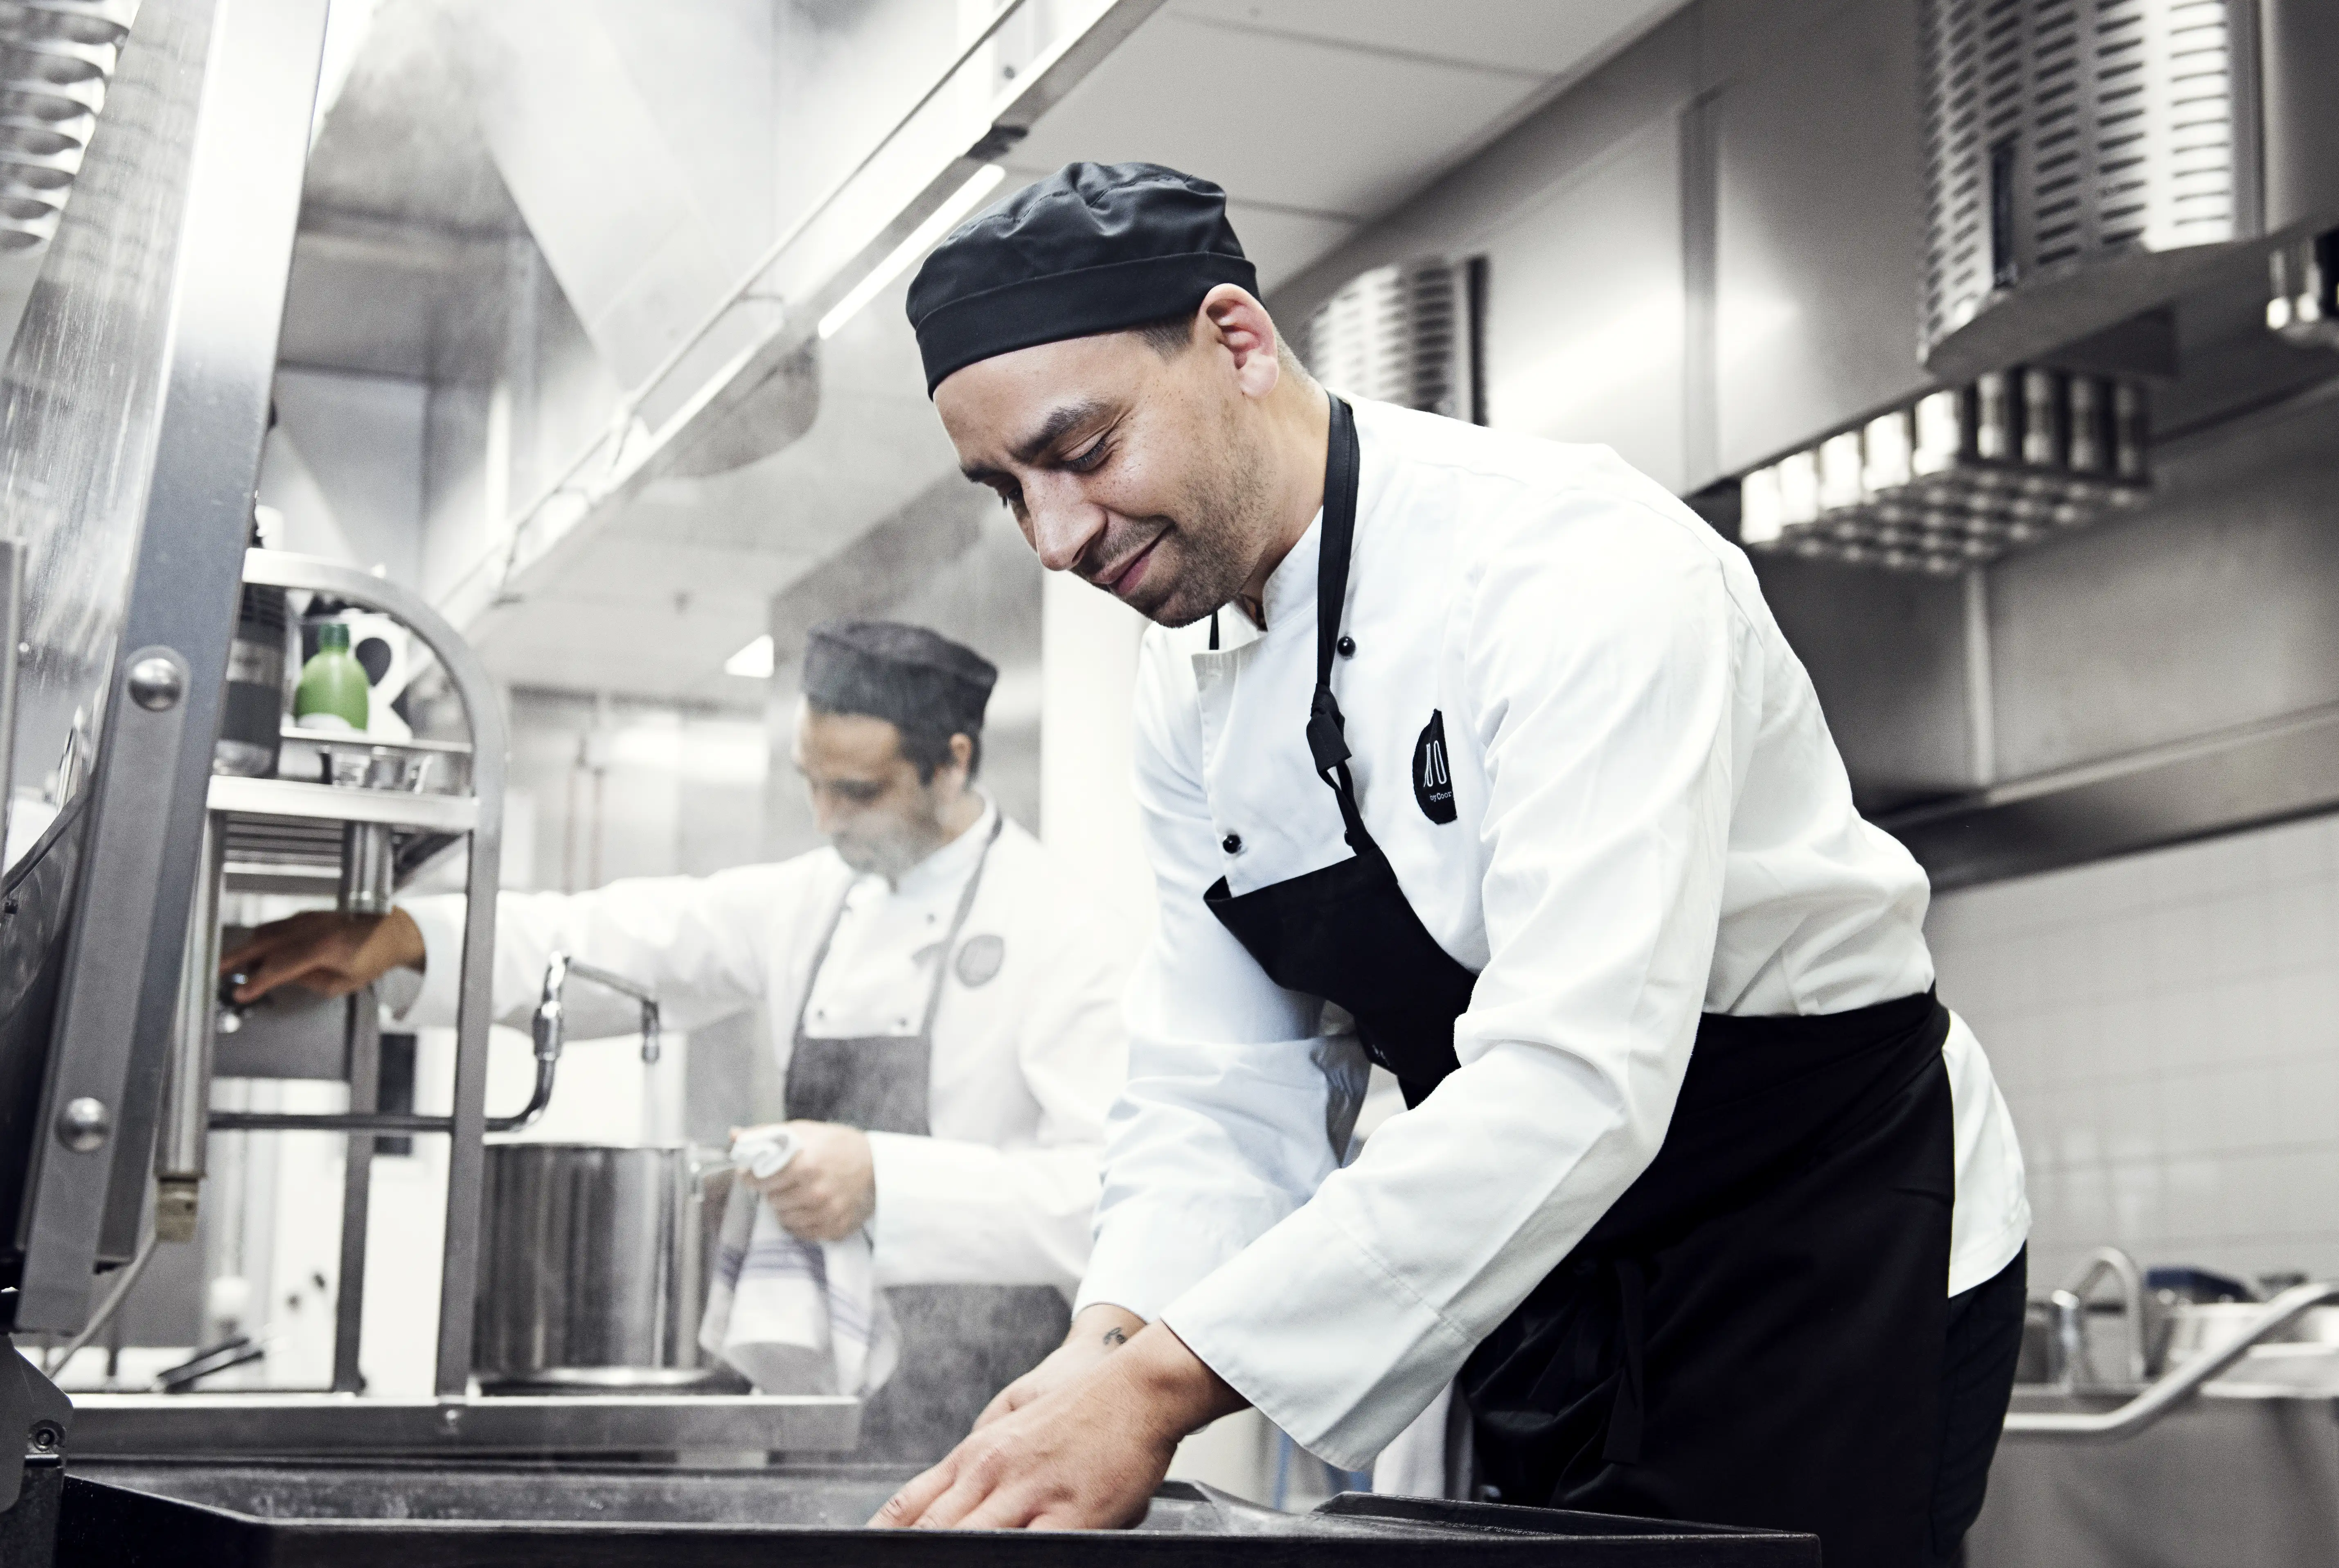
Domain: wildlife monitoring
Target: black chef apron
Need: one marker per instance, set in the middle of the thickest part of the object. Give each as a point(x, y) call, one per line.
point(1753, 1333)
point(960, 1344)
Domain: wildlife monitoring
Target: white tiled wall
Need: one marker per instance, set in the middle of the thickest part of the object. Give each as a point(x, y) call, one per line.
point(2166, 1028)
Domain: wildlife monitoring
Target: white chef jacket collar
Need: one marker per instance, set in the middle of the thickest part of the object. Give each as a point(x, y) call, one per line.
point(1293, 581)
point(951, 865)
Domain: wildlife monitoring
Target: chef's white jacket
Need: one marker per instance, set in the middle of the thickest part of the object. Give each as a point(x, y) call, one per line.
point(1651, 822)
point(1026, 1060)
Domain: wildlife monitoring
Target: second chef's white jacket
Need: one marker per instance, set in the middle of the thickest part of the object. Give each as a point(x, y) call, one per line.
point(1026, 1059)
point(1650, 821)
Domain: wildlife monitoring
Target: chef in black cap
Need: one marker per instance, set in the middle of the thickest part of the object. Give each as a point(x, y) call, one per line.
point(1479, 760)
point(945, 1008)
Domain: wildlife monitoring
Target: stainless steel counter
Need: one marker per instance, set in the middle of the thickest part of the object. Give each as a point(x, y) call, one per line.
point(2242, 1473)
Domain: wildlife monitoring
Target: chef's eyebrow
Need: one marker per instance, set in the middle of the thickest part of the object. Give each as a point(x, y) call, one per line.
point(1060, 420)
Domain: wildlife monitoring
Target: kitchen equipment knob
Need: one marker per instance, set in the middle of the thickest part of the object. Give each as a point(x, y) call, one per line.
point(156, 683)
point(83, 1124)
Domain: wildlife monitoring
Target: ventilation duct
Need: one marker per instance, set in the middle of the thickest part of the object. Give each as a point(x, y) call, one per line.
point(57, 59)
point(1407, 334)
point(2085, 157)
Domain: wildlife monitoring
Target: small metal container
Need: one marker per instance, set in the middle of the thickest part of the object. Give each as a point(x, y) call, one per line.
point(593, 1264)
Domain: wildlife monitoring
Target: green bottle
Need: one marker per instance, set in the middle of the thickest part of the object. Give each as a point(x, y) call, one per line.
point(333, 693)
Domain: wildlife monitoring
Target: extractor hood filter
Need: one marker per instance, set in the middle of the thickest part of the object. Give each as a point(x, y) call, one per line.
point(1957, 477)
point(56, 58)
point(2068, 144)
point(1404, 334)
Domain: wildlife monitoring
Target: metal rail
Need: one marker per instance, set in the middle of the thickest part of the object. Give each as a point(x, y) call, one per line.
point(2174, 1389)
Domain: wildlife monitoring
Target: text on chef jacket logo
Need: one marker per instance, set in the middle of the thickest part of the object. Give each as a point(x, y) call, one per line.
point(1433, 780)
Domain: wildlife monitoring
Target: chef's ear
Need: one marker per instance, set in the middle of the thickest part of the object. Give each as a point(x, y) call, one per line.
point(1248, 334)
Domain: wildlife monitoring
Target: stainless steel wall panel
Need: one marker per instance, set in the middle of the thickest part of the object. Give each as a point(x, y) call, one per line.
point(2298, 51)
point(2216, 606)
point(1584, 315)
point(1819, 230)
point(1887, 654)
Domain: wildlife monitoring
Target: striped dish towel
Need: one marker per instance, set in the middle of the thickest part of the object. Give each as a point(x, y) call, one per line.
point(794, 1316)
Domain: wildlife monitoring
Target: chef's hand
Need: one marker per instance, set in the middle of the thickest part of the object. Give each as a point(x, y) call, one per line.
point(330, 954)
point(1086, 1456)
point(829, 1190)
point(1096, 1333)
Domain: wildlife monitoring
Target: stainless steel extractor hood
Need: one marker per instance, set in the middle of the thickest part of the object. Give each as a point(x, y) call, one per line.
point(2087, 158)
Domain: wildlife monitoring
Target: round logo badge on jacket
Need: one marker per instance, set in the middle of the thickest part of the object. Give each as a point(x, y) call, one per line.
point(979, 958)
point(1433, 782)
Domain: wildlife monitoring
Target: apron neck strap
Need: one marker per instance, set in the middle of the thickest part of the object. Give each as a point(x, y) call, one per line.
point(1327, 727)
point(957, 925)
point(941, 964)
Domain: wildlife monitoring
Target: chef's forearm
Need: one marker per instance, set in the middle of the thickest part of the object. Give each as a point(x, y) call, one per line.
point(1175, 1388)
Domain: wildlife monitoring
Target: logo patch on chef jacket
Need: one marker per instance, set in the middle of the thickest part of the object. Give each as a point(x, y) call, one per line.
point(1433, 780)
point(979, 959)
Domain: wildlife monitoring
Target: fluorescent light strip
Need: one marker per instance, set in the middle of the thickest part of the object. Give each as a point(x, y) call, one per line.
point(754, 661)
point(920, 240)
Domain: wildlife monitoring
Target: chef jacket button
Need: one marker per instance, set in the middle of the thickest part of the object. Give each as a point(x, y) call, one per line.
point(1346, 646)
point(1231, 843)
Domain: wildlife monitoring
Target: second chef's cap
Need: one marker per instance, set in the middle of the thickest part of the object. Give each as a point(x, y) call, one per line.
point(1093, 247)
point(907, 676)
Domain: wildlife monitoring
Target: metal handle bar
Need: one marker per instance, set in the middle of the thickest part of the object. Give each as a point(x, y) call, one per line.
point(2159, 1400)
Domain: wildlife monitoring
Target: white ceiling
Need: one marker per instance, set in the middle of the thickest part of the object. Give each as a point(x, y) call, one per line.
point(1318, 116)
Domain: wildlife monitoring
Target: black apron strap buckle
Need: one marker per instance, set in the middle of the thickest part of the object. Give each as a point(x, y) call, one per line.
point(1327, 739)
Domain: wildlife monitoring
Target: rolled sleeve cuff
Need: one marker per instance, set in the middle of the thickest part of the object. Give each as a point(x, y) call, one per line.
point(1265, 1323)
point(440, 921)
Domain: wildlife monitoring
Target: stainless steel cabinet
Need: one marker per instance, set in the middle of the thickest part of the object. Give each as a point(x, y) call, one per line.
point(1818, 234)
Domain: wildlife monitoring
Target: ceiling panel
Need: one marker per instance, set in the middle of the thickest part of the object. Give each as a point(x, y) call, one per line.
point(1305, 125)
point(1282, 244)
point(1542, 38)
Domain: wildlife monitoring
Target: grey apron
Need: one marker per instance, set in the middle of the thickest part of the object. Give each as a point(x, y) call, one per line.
point(960, 1344)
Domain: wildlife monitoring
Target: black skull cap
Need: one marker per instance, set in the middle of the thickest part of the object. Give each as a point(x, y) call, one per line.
point(1093, 247)
point(907, 676)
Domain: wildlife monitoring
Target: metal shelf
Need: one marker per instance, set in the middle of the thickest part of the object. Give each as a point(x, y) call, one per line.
point(329, 803)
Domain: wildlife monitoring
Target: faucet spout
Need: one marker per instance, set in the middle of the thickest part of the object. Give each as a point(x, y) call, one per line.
point(2070, 1311)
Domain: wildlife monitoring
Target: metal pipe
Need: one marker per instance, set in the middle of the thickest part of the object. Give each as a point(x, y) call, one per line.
point(182, 1159)
point(633, 988)
point(551, 1028)
point(2161, 1397)
point(368, 868)
point(363, 1030)
point(115, 1296)
point(12, 633)
point(379, 1121)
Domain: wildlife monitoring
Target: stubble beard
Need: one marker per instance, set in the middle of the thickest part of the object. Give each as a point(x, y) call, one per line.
point(1215, 534)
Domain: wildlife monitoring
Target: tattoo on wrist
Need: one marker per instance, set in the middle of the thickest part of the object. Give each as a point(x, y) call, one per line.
point(1114, 1338)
